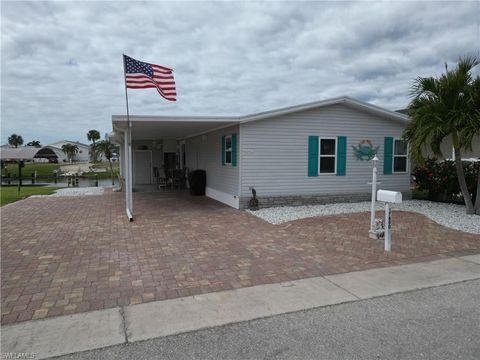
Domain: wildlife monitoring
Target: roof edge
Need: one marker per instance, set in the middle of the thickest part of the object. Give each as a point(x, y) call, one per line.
point(317, 104)
point(272, 113)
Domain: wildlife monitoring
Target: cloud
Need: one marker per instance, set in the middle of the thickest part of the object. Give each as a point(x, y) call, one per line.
point(62, 71)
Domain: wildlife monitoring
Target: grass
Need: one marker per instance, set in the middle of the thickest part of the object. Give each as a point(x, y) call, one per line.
point(9, 194)
point(41, 169)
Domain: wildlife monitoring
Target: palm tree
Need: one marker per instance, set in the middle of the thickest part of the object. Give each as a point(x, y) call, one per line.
point(34, 143)
point(107, 149)
point(93, 135)
point(70, 150)
point(471, 130)
point(442, 107)
point(15, 140)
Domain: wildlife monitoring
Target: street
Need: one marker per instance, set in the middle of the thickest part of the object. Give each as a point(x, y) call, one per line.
point(435, 323)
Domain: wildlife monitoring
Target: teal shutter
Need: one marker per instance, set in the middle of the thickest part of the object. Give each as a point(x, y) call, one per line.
point(313, 156)
point(341, 155)
point(234, 149)
point(387, 155)
point(223, 150)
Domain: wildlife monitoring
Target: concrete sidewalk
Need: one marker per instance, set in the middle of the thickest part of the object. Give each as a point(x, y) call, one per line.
point(80, 332)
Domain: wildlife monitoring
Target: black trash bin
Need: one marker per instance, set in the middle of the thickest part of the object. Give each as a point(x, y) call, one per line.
point(198, 182)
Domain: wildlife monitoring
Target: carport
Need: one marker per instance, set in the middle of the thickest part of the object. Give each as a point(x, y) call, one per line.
point(148, 143)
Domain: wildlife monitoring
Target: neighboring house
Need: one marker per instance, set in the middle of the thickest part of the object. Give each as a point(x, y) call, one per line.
point(446, 148)
point(83, 151)
point(296, 155)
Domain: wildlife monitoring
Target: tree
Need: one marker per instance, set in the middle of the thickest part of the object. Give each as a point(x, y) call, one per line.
point(471, 130)
point(15, 140)
point(446, 106)
point(107, 149)
point(34, 143)
point(70, 150)
point(93, 135)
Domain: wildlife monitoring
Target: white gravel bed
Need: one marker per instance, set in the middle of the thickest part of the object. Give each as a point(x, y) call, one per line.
point(81, 191)
point(450, 215)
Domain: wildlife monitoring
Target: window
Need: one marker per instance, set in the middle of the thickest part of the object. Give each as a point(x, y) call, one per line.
point(228, 150)
point(327, 156)
point(400, 153)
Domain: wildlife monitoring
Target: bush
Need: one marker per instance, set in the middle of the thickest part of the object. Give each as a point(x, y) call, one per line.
point(439, 179)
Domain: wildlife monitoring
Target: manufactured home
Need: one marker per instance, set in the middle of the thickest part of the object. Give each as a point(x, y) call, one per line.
point(312, 153)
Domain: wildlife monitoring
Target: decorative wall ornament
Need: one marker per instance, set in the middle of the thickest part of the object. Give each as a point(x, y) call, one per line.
point(365, 150)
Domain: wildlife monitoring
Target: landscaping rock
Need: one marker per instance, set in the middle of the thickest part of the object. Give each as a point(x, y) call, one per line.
point(450, 215)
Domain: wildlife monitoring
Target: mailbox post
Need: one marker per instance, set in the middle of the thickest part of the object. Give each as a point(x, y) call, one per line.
point(373, 233)
point(388, 197)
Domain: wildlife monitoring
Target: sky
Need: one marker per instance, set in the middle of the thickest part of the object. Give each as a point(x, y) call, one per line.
point(62, 68)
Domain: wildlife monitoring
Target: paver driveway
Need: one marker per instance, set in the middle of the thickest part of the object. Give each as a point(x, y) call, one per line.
point(68, 255)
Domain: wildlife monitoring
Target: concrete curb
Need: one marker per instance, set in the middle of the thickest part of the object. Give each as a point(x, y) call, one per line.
point(64, 334)
point(92, 330)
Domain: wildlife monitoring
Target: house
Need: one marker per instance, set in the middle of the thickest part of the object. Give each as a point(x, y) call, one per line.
point(311, 153)
point(83, 154)
point(446, 147)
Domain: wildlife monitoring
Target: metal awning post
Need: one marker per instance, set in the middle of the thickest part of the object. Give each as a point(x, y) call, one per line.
point(19, 175)
point(128, 173)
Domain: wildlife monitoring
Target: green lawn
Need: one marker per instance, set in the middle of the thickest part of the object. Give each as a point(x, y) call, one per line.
point(47, 170)
point(42, 169)
point(9, 194)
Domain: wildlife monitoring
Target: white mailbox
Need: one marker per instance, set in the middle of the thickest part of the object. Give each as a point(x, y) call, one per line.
point(389, 196)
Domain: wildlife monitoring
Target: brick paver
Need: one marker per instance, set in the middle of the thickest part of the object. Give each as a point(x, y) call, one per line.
point(68, 255)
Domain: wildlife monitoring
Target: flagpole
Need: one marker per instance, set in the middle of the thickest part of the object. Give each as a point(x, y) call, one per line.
point(128, 151)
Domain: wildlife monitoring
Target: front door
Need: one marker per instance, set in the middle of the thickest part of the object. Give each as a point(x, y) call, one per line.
point(142, 164)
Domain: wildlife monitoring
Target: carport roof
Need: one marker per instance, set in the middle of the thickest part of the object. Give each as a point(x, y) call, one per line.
point(157, 127)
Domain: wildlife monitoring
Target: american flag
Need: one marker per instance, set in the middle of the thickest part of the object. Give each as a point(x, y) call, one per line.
point(142, 75)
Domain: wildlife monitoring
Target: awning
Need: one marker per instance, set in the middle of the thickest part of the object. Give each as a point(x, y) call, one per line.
point(158, 127)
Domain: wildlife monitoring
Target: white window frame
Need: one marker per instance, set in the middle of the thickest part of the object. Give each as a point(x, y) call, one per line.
point(394, 156)
point(227, 150)
point(320, 155)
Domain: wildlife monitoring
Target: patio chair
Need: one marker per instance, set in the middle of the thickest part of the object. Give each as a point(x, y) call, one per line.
point(160, 181)
point(169, 182)
point(177, 178)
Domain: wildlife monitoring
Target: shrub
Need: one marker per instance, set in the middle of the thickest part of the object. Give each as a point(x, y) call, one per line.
point(439, 179)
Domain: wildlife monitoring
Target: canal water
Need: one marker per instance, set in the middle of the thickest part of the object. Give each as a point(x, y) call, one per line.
point(62, 182)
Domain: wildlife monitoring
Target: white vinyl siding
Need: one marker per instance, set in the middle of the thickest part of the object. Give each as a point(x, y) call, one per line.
point(274, 152)
point(205, 152)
